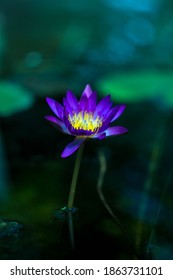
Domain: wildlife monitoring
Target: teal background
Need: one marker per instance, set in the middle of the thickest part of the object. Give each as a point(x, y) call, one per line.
point(123, 48)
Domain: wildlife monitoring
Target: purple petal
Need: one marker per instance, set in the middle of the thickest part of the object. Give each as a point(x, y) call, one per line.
point(72, 100)
point(80, 132)
point(67, 107)
point(103, 106)
point(60, 125)
point(92, 100)
point(67, 123)
point(120, 110)
point(72, 147)
point(99, 135)
point(110, 115)
point(56, 107)
point(108, 119)
point(83, 103)
point(115, 130)
point(87, 91)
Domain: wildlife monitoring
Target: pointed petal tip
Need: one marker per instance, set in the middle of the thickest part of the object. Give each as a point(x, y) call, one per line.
point(63, 156)
point(125, 131)
point(47, 100)
point(119, 109)
point(72, 147)
point(50, 118)
point(72, 100)
point(87, 91)
point(116, 130)
point(66, 153)
point(123, 106)
point(122, 130)
point(87, 87)
point(46, 117)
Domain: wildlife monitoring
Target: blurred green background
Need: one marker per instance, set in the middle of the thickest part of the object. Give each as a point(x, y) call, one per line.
point(123, 48)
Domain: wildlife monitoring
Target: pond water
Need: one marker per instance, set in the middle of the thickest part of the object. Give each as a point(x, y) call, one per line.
point(123, 203)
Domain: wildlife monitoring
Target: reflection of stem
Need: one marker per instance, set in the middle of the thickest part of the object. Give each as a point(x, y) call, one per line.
point(71, 230)
point(72, 194)
point(102, 198)
point(103, 167)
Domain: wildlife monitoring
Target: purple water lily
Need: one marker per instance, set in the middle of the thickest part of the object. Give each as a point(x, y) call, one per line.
point(84, 118)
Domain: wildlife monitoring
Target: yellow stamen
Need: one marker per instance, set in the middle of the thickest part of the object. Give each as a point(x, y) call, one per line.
point(85, 121)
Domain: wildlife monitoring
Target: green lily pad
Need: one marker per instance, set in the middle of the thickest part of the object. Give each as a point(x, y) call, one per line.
point(13, 98)
point(139, 86)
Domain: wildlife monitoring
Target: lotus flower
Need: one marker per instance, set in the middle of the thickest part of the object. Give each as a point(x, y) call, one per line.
point(85, 118)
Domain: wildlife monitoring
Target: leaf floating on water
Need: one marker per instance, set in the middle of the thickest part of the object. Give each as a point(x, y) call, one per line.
point(139, 86)
point(13, 98)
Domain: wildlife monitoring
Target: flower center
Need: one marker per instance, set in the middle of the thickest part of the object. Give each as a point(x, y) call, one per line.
point(85, 121)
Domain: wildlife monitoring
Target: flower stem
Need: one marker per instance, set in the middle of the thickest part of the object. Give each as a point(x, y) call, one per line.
point(72, 194)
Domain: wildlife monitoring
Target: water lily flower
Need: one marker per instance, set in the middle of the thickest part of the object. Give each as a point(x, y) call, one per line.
point(85, 118)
